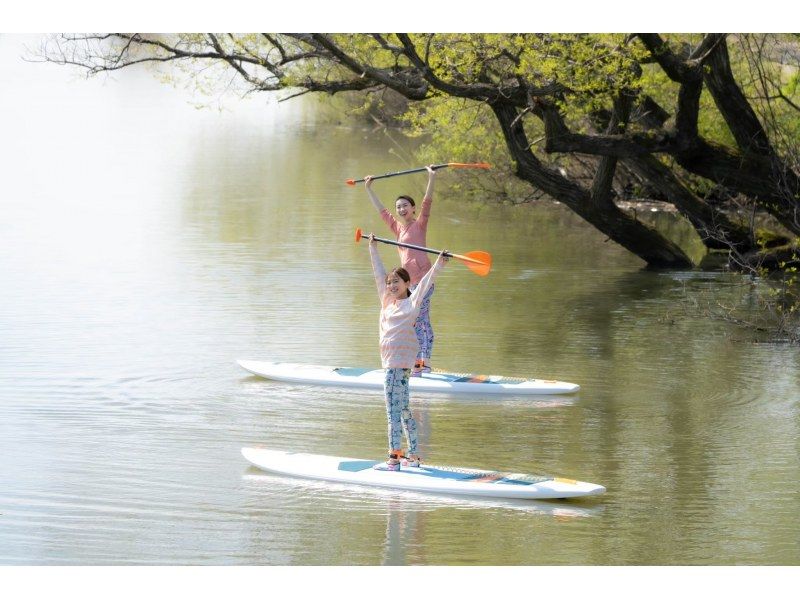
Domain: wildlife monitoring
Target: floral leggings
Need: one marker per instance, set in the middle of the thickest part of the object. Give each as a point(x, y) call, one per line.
point(423, 327)
point(395, 389)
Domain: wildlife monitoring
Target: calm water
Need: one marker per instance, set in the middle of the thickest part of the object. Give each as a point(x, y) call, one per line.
point(147, 245)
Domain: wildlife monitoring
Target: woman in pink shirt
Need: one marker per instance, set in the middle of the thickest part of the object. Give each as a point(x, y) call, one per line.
point(398, 342)
point(412, 229)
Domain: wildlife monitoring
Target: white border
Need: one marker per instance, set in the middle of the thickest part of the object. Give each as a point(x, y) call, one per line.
point(367, 582)
point(403, 15)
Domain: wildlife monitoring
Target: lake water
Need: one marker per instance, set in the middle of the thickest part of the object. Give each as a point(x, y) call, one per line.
point(147, 245)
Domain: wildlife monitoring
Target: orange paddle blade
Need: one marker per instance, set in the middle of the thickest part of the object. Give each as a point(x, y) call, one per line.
point(483, 165)
point(479, 262)
point(351, 182)
point(358, 235)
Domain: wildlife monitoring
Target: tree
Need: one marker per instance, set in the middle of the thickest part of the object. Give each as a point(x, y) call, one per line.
point(607, 97)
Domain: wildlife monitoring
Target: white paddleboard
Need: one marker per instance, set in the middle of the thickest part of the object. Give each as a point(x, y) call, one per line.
point(426, 478)
point(444, 382)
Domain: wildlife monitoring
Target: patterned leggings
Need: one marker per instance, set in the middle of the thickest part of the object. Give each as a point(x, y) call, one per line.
point(395, 389)
point(423, 327)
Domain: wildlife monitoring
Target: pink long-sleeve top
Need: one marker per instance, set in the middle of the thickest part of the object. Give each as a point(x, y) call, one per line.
point(414, 261)
point(398, 341)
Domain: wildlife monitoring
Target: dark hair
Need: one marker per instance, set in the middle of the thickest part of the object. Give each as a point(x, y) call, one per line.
point(407, 198)
point(403, 274)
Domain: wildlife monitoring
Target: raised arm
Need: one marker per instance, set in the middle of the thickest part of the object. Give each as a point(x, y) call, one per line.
point(377, 267)
point(385, 215)
point(431, 177)
point(425, 208)
point(425, 283)
point(375, 201)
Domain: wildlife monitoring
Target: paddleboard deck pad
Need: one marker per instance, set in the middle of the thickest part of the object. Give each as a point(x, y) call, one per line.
point(443, 382)
point(426, 478)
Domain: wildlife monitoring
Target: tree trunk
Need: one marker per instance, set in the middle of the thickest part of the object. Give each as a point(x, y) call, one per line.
point(715, 229)
point(633, 235)
point(754, 176)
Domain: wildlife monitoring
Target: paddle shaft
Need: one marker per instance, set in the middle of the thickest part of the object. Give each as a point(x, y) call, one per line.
point(400, 172)
point(428, 250)
point(483, 165)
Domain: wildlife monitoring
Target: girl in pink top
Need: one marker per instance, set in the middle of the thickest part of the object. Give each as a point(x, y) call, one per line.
point(412, 229)
point(399, 309)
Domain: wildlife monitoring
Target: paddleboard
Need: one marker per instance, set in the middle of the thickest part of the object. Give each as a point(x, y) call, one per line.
point(435, 381)
point(426, 478)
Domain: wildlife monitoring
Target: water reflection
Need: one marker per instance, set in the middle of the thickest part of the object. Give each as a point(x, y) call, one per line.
point(407, 516)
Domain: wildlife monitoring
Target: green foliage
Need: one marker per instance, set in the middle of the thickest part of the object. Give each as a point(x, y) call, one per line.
point(790, 87)
point(591, 68)
point(777, 299)
point(458, 130)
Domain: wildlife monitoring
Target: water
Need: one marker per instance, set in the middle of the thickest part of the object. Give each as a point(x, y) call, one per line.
point(147, 245)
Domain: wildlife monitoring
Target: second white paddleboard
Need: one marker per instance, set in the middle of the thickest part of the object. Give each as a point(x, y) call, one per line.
point(442, 382)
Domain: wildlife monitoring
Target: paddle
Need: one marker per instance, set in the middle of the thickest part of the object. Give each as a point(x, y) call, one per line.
point(479, 262)
point(483, 165)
